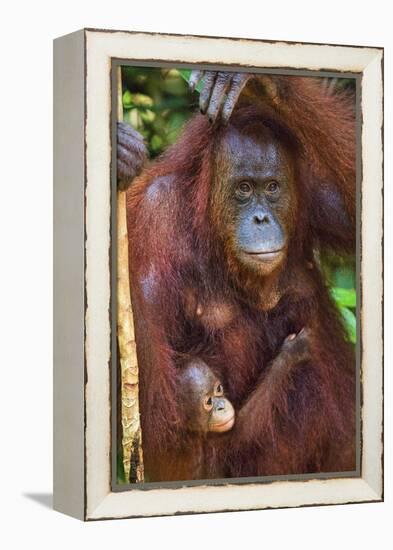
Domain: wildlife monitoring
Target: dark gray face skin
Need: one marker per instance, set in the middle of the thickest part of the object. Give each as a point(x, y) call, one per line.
point(260, 191)
point(202, 397)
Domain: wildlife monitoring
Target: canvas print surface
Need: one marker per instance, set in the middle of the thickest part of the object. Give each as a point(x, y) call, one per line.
point(236, 228)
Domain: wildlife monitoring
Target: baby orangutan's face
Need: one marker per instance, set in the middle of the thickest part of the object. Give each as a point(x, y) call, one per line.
point(207, 409)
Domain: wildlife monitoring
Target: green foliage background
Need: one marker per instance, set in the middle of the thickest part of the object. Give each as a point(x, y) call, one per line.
point(157, 103)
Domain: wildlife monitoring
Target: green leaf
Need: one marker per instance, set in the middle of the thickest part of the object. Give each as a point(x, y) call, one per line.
point(127, 99)
point(344, 297)
point(175, 124)
point(186, 73)
point(133, 117)
point(142, 100)
point(349, 323)
point(147, 116)
point(344, 276)
point(121, 478)
point(156, 143)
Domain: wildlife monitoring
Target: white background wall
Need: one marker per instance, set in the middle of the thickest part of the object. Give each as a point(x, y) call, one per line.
point(27, 29)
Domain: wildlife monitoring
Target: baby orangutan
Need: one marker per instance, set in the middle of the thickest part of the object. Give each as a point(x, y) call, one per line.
point(206, 414)
point(202, 400)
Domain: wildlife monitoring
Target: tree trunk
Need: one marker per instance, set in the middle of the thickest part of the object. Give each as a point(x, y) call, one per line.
point(130, 421)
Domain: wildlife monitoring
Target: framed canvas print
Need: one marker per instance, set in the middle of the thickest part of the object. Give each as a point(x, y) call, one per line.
point(218, 274)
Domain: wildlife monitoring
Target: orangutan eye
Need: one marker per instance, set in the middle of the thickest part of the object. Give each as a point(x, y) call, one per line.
point(208, 403)
point(219, 390)
point(272, 187)
point(243, 191)
point(245, 188)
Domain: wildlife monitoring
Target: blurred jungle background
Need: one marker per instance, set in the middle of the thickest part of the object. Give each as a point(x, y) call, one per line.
point(157, 103)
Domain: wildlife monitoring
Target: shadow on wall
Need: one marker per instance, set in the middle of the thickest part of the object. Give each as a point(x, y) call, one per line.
point(45, 499)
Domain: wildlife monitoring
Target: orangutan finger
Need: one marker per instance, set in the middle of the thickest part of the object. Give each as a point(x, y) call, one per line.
point(195, 77)
point(209, 81)
point(239, 80)
point(221, 86)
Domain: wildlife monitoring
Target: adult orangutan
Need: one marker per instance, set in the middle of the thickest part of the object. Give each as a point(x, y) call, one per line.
point(223, 228)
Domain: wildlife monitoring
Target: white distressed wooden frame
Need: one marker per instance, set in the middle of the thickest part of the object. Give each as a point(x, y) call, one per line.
point(82, 108)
